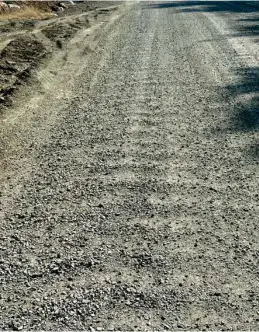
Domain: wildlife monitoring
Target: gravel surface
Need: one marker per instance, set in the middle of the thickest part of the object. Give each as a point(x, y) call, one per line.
point(130, 185)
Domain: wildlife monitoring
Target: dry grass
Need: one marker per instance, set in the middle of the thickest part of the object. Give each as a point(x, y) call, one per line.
point(32, 11)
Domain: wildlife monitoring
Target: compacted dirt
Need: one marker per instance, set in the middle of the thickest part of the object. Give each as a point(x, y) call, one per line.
point(129, 182)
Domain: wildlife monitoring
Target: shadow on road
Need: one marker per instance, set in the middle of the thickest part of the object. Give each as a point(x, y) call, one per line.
point(244, 24)
point(246, 118)
point(208, 6)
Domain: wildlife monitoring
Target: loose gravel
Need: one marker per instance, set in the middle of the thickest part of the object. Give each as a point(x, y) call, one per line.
point(130, 196)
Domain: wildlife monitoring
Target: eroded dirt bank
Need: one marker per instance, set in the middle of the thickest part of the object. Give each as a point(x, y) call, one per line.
point(25, 42)
point(129, 186)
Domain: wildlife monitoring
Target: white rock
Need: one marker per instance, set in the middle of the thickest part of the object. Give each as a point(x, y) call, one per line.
point(12, 6)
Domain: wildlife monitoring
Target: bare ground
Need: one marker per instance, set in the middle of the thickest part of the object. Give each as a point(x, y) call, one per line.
point(25, 42)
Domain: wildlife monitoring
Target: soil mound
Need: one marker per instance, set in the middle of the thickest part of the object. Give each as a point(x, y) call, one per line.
point(16, 62)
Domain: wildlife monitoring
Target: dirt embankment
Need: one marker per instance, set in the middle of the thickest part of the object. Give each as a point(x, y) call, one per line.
point(26, 42)
point(17, 60)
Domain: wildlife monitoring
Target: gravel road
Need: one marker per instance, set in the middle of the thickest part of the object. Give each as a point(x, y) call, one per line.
point(129, 181)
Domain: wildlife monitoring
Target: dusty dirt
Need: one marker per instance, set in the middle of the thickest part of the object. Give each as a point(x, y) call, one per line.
point(63, 31)
point(129, 176)
point(22, 46)
point(16, 62)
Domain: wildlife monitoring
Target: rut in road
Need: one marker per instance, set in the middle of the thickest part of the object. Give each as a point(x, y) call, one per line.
point(140, 209)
